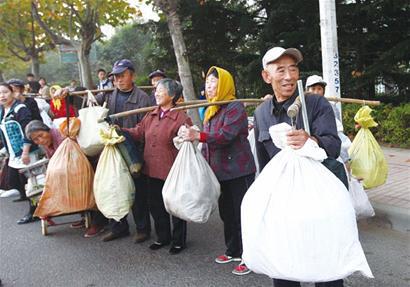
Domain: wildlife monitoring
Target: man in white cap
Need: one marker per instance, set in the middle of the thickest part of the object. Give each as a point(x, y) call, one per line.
point(281, 71)
point(316, 85)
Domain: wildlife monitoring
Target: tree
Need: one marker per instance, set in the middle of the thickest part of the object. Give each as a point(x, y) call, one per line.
point(24, 39)
point(82, 27)
point(170, 9)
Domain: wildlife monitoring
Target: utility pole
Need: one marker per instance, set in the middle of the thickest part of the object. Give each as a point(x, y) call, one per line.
point(330, 53)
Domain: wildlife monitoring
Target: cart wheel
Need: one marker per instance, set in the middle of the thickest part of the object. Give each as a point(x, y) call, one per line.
point(44, 225)
point(87, 217)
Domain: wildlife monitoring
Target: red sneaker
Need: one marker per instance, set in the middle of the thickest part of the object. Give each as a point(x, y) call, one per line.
point(94, 230)
point(241, 269)
point(226, 259)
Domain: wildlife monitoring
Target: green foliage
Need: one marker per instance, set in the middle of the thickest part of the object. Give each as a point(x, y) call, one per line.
point(394, 123)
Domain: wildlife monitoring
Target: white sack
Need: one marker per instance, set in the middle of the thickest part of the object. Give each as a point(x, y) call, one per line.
point(191, 190)
point(298, 222)
point(89, 137)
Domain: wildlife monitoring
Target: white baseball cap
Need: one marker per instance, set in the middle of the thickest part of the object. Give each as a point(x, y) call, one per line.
point(276, 52)
point(315, 80)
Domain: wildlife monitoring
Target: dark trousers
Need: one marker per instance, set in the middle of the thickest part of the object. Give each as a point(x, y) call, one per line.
point(232, 193)
point(162, 218)
point(286, 283)
point(12, 179)
point(140, 210)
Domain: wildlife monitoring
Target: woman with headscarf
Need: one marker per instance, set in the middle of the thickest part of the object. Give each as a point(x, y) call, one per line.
point(228, 152)
point(157, 130)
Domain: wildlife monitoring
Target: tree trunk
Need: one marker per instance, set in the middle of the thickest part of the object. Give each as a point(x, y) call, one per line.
point(85, 68)
point(35, 66)
point(1, 76)
point(184, 70)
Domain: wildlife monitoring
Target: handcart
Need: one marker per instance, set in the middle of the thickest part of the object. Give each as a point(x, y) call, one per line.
point(35, 174)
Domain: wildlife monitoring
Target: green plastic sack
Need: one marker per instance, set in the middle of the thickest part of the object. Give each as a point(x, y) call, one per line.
point(367, 158)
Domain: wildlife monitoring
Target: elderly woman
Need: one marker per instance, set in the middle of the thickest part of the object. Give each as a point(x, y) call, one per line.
point(228, 152)
point(157, 129)
point(14, 117)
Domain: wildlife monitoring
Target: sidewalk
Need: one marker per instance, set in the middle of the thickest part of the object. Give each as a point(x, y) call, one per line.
point(391, 201)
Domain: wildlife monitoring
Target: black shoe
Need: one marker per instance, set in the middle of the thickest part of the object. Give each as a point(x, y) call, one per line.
point(20, 199)
point(27, 219)
point(141, 237)
point(112, 236)
point(175, 250)
point(157, 245)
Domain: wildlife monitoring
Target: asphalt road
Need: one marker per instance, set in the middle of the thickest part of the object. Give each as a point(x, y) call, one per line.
point(65, 258)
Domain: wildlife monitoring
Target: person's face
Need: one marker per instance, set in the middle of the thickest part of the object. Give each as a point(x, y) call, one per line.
point(155, 80)
point(101, 75)
point(30, 78)
point(17, 90)
point(73, 83)
point(124, 80)
point(162, 97)
point(42, 138)
point(211, 86)
point(282, 75)
point(317, 89)
point(42, 82)
point(6, 96)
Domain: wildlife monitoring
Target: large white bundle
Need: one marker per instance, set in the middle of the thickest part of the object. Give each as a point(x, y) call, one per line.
point(113, 185)
point(191, 190)
point(298, 222)
point(89, 135)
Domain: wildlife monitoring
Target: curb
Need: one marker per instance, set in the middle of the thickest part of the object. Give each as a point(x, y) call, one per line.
point(392, 217)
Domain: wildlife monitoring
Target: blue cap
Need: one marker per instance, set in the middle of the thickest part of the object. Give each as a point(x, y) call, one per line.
point(120, 66)
point(16, 82)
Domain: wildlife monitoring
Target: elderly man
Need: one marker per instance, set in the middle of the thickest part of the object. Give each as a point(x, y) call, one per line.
point(280, 70)
point(127, 96)
point(155, 77)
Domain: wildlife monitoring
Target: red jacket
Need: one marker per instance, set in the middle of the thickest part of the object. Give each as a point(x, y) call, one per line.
point(61, 113)
point(159, 149)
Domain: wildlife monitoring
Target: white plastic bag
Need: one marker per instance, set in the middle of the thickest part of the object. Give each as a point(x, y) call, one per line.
point(298, 221)
point(251, 139)
point(361, 203)
point(89, 138)
point(113, 185)
point(191, 190)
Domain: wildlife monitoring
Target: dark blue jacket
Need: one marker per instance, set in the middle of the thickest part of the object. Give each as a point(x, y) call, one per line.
point(322, 125)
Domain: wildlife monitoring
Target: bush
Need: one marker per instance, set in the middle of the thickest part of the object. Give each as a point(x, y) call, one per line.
point(394, 123)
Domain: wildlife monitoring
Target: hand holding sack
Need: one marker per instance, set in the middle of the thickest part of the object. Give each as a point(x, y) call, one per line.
point(367, 158)
point(298, 221)
point(89, 135)
point(113, 185)
point(69, 178)
point(191, 190)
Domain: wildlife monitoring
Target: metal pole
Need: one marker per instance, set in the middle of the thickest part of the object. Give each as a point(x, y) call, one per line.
point(330, 53)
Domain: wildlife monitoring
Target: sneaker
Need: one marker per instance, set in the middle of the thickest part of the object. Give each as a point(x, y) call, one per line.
point(78, 224)
point(241, 269)
point(226, 259)
point(94, 230)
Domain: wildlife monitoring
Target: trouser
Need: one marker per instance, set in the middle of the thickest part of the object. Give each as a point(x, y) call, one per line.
point(232, 193)
point(98, 219)
point(140, 210)
point(12, 179)
point(286, 283)
point(162, 218)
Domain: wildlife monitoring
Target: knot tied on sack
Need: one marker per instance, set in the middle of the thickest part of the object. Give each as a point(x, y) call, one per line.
point(72, 129)
point(364, 119)
point(178, 140)
point(110, 136)
point(310, 149)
